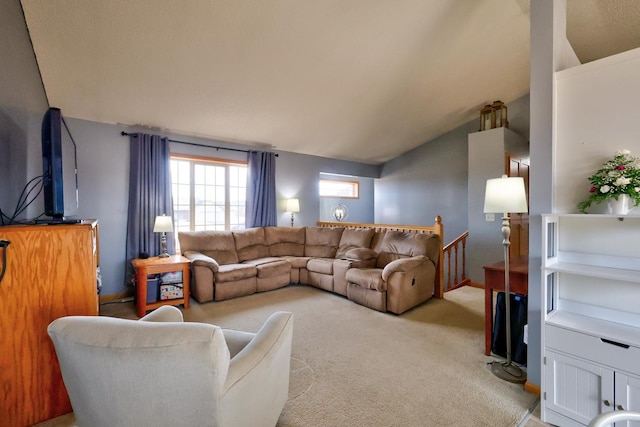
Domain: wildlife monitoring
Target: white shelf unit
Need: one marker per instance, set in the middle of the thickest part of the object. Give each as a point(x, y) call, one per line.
point(590, 317)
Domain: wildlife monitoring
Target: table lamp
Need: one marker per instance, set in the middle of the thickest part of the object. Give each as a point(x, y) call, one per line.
point(505, 195)
point(163, 225)
point(293, 206)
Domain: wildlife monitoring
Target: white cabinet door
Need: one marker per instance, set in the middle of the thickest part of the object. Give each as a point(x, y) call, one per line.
point(627, 396)
point(577, 389)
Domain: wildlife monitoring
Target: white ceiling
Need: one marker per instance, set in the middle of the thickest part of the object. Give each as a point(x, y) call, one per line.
point(357, 80)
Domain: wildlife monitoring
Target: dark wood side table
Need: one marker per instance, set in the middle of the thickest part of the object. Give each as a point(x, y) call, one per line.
point(157, 265)
point(494, 280)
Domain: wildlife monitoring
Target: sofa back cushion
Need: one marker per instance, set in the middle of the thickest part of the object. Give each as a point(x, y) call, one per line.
point(354, 238)
point(322, 242)
point(250, 244)
point(285, 241)
point(217, 244)
point(398, 244)
point(376, 240)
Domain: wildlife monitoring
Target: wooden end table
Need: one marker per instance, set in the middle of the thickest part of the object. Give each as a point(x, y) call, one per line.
point(494, 280)
point(157, 265)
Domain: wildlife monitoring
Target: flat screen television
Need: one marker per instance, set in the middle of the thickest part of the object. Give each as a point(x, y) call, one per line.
point(59, 167)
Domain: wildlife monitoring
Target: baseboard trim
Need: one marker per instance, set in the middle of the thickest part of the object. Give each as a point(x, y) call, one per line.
point(115, 297)
point(476, 285)
point(532, 388)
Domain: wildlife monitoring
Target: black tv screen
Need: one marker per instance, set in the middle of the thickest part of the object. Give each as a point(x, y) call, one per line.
point(59, 167)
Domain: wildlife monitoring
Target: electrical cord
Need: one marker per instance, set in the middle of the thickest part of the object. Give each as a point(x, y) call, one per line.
point(25, 200)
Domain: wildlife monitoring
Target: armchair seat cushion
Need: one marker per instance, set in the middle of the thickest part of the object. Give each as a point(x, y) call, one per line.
point(234, 272)
point(367, 278)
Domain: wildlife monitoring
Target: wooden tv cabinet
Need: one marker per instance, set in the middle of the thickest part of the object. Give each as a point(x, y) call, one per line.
point(51, 272)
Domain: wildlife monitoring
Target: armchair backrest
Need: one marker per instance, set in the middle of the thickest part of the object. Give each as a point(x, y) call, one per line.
point(147, 373)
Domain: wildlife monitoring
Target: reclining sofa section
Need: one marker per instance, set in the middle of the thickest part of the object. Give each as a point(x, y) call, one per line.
point(383, 270)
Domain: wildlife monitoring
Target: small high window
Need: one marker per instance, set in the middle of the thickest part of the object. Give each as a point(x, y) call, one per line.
point(342, 189)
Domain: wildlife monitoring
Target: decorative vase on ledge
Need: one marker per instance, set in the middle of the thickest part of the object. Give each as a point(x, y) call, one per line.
point(620, 206)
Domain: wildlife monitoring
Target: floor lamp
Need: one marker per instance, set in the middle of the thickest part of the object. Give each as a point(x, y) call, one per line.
point(506, 195)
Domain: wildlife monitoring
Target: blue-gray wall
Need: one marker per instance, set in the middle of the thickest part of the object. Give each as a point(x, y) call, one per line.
point(22, 104)
point(432, 179)
point(359, 209)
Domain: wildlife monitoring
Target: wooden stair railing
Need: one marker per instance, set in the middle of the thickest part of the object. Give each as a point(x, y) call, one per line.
point(455, 253)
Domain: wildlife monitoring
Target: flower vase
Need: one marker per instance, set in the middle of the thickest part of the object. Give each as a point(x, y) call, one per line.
point(620, 206)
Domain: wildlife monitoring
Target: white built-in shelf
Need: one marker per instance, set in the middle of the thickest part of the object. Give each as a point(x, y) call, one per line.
point(594, 271)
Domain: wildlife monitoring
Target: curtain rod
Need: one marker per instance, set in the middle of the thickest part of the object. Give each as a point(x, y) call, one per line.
point(123, 133)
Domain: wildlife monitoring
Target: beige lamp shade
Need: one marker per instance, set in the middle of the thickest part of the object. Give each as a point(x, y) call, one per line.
point(505, 195)
point(163, 224)
point(293, 205)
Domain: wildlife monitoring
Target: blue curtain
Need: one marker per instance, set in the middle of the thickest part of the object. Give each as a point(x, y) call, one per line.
point(261, 190)
point(149, 195)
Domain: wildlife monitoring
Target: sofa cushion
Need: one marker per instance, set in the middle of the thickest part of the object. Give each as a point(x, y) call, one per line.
point(322, 242)
point(298, 261)
point(398, 244)
point(250, 243)
point(217, 244)
point(283, 241)
point(233, 272)
point(321, 265)
point(367, 278)
point(261, 261)
point(354, 238)
point(272, 269)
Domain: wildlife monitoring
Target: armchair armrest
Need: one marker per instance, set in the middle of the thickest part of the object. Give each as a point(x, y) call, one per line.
point(236, 340)
point(270, 348)
point(199, 259)
point(166, 313)
point(403, 265)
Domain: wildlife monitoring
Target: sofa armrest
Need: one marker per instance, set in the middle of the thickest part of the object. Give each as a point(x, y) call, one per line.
point(202, 260)
point(166, 313)
point(403, 265)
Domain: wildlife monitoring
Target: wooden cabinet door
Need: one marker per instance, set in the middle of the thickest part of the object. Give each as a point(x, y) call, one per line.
point(577, 389)
point(50, 273)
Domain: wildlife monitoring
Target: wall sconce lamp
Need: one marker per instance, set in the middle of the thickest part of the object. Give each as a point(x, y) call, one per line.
point(164, 225)
point(293, 206)
point(506, 195)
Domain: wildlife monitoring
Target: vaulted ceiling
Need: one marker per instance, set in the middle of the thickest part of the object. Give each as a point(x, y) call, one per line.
point(357, 80)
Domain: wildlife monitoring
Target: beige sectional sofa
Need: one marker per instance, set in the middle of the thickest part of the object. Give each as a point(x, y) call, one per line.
point(382, 268)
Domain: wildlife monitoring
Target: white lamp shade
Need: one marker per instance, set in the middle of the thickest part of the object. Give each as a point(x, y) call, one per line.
point(293, 205)
point(505, 195)
point(163, 224)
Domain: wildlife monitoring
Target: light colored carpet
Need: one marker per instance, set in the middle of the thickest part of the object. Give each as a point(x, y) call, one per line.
point(353, 366)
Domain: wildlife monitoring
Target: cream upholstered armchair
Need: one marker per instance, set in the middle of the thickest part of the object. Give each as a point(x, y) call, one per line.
point(160, 371)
